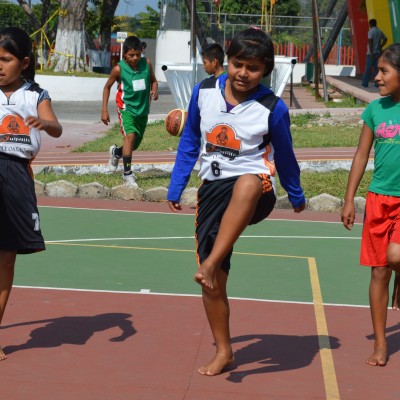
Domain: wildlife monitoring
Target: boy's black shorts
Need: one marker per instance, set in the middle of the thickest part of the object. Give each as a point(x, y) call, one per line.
point(212, 200)
point(19, 216)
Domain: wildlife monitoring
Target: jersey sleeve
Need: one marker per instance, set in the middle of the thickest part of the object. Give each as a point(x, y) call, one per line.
point(366, 116)
point(43, 95)
point(188, 150)
point(285, 159)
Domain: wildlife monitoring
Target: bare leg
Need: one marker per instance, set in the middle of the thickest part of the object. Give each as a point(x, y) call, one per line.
point(127, 147)
point(378, 298)
point(217, 309)
point(246, 193)
point(396, 292)
point(393, 257)
point(7, 262)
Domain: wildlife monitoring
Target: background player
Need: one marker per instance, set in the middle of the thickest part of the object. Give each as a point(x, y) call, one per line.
point(137, 85)
point(213, 59)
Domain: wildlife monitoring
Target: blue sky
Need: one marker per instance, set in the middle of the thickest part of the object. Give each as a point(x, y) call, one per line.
point(125, 7)
point(132, 7)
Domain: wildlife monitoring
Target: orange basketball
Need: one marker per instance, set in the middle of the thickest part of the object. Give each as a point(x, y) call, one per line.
point(175, 121)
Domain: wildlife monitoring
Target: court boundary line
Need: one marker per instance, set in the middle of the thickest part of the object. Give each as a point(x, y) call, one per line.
point(187, 214)
point(62, 241)
point(147, 292)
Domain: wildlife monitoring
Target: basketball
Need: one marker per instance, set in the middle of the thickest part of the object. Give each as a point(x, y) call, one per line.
point(175, 121)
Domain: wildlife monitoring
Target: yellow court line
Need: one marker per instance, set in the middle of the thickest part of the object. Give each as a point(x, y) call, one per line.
point(328, 367)
point(164, 249)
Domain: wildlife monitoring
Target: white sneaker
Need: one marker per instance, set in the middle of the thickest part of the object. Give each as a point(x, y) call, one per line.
point(113, 161)
point(130, 180)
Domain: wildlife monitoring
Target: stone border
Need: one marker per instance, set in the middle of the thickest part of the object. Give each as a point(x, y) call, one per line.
point(94, 190)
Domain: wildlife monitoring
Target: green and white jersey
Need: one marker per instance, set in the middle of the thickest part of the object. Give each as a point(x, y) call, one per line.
point(134, 88)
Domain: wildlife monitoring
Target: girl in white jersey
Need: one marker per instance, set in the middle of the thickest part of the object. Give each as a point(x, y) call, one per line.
point(380, 243)
point(25, 110)
point(240, 145)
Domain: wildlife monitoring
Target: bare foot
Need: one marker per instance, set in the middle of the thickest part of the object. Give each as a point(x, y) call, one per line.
point(379, 357)
point(216, 365)
point(205, 275)
point(2, 355)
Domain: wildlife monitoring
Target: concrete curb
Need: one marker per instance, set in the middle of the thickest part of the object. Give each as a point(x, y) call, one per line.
point(94, 190)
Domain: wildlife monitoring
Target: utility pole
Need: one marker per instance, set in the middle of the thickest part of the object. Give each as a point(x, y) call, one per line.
point(315, 50)
point(193, 38)
point(321, 58)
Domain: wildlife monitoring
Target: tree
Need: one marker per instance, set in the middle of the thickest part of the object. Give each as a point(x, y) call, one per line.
point(69, 52)
point(145, 24)
point(12, 15)
point(107, 10)
point(38, 17)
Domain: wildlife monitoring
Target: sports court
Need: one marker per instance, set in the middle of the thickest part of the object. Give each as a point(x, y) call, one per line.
point(110, 310)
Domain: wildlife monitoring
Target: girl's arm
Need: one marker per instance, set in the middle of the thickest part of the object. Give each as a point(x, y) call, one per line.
point(285, 159)
point(357, 170)
point(46, 120)
point(187, 155)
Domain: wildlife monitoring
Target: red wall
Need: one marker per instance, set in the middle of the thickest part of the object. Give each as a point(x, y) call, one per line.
point(359, 32)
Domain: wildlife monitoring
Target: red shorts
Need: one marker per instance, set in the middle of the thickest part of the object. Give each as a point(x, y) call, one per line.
point(381, 226)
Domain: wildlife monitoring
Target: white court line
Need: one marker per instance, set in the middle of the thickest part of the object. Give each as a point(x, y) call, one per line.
point(183, 214)
point(192, 237)
point(148, 292)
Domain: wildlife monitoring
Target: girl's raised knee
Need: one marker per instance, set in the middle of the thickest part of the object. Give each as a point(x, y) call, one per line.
point(248, 185)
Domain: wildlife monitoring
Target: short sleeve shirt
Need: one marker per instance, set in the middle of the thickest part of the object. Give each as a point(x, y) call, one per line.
point(382, 116)
point(376, 35)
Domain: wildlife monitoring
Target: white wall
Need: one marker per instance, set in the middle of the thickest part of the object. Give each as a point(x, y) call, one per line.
point(72, 88)
point(173, 47)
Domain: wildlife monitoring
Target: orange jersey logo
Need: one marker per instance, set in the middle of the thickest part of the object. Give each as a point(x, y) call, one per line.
point(13, 129)
point(222, 139)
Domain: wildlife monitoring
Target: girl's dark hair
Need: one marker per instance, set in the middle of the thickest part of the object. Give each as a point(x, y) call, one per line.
point(253, 43)
point(131, 43)
point(392, 55)
point(17, 42)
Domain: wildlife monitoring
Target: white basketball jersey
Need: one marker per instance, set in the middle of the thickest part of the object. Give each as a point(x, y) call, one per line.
point(234, 142)
point(16, 138)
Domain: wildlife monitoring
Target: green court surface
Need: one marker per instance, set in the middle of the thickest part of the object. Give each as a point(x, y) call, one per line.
point(154, 252)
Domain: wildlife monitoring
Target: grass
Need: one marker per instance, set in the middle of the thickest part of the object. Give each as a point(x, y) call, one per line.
point(325, 136)
point(156, 138)
point(346, 101)
point(81, 74)
point(306, 134)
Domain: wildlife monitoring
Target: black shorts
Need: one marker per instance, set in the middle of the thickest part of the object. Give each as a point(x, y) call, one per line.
point(19, 216)
point(213, 199)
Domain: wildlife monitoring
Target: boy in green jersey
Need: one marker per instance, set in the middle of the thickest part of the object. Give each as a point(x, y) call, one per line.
point(137, 86)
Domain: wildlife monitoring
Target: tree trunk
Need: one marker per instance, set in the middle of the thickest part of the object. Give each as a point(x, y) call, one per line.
point(69, 53)
point(32, 19)
point(107, 11)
